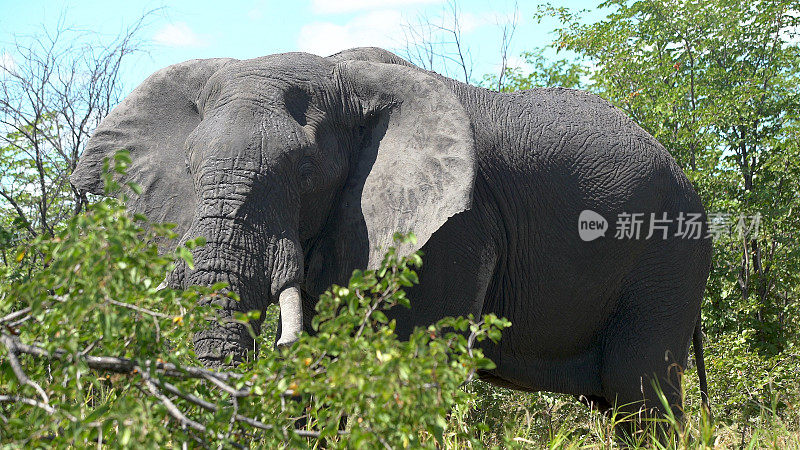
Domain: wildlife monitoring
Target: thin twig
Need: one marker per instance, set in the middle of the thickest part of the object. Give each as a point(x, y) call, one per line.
point(171, 408)
point(138, 309)
point(470, 345)
point(229, 389)
point(11, 346)
point(208, 406)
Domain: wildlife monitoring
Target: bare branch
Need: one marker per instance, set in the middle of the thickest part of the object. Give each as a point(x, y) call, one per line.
point(454, 29)
point(191, 398)
point(27, 401)
point(208, 406)
point(470, 346)
point(62, 83)
point(230, 390)
point(11, 346)
point(20, 213)
point(171, 408)
point(138, 309)
point(437, 44)
point(154, 385)
point(123, 365)
point(15, 314)
point(508, 29)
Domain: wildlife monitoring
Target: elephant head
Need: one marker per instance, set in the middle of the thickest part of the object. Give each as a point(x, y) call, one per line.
point(296, 169)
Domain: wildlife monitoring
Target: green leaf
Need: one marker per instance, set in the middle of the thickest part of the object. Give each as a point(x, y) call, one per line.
point(136, 188)
point(186, 255)
point(379, 317)
point(123, 156)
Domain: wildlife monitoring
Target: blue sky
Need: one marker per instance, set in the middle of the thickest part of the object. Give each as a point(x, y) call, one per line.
point(187, 29)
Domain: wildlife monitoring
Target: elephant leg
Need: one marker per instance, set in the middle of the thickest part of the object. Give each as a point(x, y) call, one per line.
point(647, 340)
point(596, 403)
point(458, 266)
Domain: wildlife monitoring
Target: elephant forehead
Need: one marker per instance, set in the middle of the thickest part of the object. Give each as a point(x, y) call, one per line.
point(279, 71)
point(242, 138)
point(259, 93)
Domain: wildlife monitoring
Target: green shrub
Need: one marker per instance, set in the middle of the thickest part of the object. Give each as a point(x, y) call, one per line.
point(93, 352)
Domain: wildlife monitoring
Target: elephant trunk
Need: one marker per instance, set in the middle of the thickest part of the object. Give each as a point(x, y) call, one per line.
point(260, 260)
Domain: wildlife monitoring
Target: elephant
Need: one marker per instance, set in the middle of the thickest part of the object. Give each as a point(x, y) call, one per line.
point(297, 169)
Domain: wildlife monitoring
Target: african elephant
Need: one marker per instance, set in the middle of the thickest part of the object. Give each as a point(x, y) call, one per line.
point(297, 169)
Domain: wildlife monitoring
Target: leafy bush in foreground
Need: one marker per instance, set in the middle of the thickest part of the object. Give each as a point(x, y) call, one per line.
point(93, 352)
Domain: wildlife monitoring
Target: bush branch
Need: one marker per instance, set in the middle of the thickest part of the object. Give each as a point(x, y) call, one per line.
point(154, 386)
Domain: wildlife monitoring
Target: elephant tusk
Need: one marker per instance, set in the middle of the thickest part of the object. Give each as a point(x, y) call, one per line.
point(291, 316)
point(162, 286)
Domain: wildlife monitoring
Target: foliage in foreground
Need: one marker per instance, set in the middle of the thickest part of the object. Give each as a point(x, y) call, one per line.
point(94, 352)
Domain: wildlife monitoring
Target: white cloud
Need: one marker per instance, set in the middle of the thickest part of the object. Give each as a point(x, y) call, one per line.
point(255, 14)
point(257, 11)
point(343, 6)
point(468, 21)
point(514, 61)
point(7, 63)
point(178, 35)
point(374, 29)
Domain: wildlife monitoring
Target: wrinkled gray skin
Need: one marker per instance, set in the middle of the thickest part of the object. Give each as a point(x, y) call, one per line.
point(297, 169)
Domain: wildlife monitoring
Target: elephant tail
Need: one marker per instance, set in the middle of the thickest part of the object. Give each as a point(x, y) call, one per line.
point(697, 343)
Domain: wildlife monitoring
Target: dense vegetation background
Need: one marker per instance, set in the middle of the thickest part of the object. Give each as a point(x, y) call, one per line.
point(93, 353)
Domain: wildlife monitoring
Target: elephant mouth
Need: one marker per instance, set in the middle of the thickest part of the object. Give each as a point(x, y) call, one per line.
point(261, 268)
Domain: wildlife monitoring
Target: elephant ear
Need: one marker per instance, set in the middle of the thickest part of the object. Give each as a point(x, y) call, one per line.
point(152, 123)
point(414, 168)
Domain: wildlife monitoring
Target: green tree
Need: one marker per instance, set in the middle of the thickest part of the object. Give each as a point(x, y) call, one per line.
point(542, 72)
point(54, 90)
